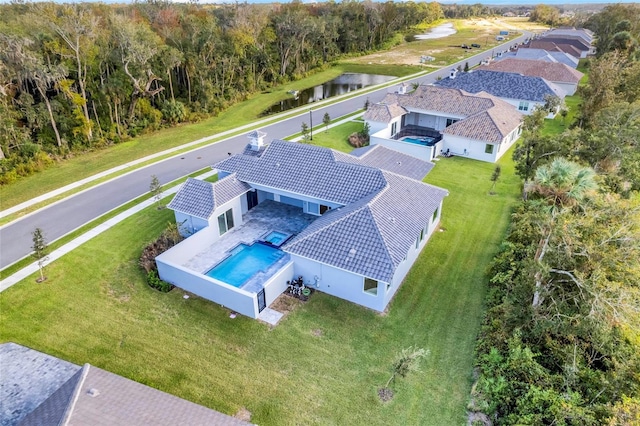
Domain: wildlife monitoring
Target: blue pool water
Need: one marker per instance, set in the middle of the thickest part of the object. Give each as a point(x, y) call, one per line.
point(244, 262)
point(276, 238)
point(425, 141)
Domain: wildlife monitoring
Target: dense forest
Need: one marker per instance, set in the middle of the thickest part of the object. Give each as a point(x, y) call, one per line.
point(560, 343)
point(81, 76)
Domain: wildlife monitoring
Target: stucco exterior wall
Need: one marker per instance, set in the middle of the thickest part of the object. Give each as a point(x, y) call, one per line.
point(570, 88)
point(469, 148)
point(277, 284)
point(376, 126)
point(188, 225)
point(337, 282)
point(233, 298)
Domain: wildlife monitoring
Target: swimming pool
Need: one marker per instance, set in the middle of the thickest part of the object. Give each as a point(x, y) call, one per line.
point(276, 238)
point(244, 262)
point(424, 140)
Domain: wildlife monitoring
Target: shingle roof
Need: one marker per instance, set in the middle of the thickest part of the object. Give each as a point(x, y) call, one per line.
point(373, 235)
point(306, 170)
point(543, 55)
point(383, 113)
point(200, 198)
point(574, 41)
point(491, 125)
point(551, 71)
point(584, 34)
point(504, 85)
point(39, 389)
point(445, 100)
point(27, 379)
point(380, 157)
point(558, 47)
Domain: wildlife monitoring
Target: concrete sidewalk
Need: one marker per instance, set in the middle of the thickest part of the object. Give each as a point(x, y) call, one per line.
point(77, 242)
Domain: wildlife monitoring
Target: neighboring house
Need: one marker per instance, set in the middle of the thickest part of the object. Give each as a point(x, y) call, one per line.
point(350, 224)
point(521, 91)
point(433, 120)
point(39, 389)
point(557, 46)
point(543, 55)
point(563, 76)
point(582, 33)
point(582, 46)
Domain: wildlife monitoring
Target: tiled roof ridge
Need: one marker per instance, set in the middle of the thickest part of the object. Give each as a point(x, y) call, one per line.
point(76, 394)
point(342, 218)
point(384, 172)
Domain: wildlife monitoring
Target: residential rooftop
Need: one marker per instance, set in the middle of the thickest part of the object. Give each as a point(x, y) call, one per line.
point(503, 85)
point(550, 71)
point(542, 55)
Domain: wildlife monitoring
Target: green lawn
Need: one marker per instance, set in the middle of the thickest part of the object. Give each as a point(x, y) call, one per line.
point(336, 137)
point(320, 365)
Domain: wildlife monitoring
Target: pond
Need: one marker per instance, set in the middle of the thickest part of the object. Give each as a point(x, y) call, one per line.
point(440, 31)
point(344, 83)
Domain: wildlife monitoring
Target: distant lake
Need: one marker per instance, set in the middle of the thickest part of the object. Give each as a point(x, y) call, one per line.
point(440, 31)
point(342, 84)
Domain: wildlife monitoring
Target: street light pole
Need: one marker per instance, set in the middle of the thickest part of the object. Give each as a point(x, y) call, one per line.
point(311, 122)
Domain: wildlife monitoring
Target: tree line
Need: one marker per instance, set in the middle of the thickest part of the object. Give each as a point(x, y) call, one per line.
point(560, 343)
point(82, 76)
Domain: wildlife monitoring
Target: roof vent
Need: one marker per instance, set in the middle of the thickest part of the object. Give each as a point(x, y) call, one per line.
point(392, 219)
point(93, 392)
point(352, 252)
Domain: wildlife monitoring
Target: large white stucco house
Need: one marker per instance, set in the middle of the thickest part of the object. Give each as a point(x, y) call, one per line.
point(350, 224)
point(432, 121)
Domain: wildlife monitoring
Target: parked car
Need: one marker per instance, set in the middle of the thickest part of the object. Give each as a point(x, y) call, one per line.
point(476, 45)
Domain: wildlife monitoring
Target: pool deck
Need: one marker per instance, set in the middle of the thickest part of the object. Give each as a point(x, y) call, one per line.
point(265, 217)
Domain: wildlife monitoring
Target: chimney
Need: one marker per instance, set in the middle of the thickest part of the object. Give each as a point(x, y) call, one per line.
point(453, 73)
point(402, 89)
point(256, 139)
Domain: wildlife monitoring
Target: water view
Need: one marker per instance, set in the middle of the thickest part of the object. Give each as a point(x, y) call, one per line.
point(440, 31)
point(344, 83)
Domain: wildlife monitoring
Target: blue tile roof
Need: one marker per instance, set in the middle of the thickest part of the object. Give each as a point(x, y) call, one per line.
point(200, 198)
point(372, 236)
point(306, 170)
point(383, 158)
point(503, 85)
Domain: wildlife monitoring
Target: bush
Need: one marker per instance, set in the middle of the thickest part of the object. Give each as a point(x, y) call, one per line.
point(154, 281)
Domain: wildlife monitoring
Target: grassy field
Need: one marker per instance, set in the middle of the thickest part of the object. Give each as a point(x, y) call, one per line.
point(446, 50)
point(322, 364)
point(559, 124)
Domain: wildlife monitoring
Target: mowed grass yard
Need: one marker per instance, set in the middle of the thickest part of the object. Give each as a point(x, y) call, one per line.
point(322, 364)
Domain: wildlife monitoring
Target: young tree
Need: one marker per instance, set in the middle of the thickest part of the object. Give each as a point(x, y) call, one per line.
point(40, 251)
point(304, 129)
point(326, 120)
point(494, 178)
point(466, 67)
point(407, 361)
point(155, 188)
point(366, 104)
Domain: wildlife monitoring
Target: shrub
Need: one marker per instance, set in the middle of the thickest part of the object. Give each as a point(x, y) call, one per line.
point(154, 281)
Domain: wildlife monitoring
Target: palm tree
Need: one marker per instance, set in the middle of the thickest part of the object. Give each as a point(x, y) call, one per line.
point(562, 184)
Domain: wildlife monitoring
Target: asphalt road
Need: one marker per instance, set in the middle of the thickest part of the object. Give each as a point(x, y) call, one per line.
point(69, 214)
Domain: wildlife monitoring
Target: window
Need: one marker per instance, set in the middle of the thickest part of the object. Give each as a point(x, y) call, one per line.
point(371, 286)
point(523, 106)
point(435, 215)
point(394, 128)
point(225, 221)
point(421, 235)
point(450, 121)
point(488, 149)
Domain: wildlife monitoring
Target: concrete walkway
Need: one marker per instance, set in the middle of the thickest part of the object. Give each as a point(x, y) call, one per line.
point(99, 229)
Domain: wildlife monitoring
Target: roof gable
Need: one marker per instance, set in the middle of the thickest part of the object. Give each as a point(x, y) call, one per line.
point(200, 198)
